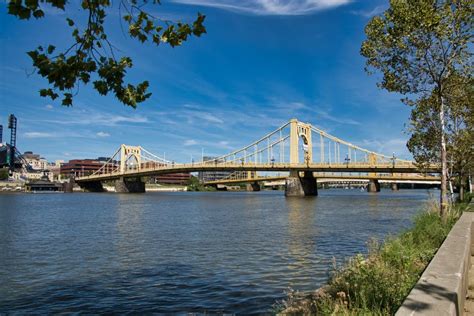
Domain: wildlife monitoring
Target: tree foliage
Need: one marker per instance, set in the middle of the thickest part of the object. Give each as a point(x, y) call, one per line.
point(425, 131)
point(92, 57)
point(422, 48)
point(3, 173)
point(417, 44)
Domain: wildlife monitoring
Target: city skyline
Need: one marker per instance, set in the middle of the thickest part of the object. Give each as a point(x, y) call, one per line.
point(258, 66)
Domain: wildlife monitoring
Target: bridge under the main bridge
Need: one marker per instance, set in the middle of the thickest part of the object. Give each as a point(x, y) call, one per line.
point(372, 181)
point(289, 149)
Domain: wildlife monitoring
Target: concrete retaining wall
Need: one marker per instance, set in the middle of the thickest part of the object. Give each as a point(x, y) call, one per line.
point(442, 287)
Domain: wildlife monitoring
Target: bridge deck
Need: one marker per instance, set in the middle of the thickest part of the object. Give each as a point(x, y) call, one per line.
point(312, 167)
point(404, 177)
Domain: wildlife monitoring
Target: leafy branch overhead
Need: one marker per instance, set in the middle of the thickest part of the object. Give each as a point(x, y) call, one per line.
point(92, 55)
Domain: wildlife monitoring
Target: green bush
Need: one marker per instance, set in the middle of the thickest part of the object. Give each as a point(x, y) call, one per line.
point(195, 185)
point(377, 284)
point(3, 173)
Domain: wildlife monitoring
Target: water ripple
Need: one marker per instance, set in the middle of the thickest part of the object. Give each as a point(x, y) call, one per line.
point(182, 252)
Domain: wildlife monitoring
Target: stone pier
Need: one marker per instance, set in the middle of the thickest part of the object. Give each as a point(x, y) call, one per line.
point(68, 187)
point(129, 185)
point(373, 186)
point(254, 186)
point(91, 186)
point(301, 186)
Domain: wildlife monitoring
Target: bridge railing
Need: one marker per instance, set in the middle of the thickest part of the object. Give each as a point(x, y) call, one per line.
point(196, 166)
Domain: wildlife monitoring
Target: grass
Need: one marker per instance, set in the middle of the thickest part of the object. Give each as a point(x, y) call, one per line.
point(377, 283)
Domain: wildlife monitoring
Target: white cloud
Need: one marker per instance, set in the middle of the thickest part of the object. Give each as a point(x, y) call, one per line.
point(190, 142)
point(95, 118)
point(388, 147)
point(370, 13)
point(269, 7)
point(223, 144)
point(295, 106)
point(201, 116)
point(103, 134)
point(114, 119)
point(336, 119)
point(49, 106)
point(37, 135)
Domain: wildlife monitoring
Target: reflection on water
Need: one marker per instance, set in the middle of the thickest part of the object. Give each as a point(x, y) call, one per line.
point(182, 252)
point(301, 230)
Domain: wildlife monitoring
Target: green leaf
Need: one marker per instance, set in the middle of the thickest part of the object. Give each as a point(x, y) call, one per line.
point(38, 14)
point(90, 52)
point(67, 100)
point(51, 49)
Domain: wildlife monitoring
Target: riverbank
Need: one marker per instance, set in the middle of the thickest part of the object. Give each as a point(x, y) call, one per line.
point(378, 282)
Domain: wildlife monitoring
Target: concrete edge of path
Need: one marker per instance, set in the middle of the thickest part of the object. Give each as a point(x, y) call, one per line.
point(442, 288)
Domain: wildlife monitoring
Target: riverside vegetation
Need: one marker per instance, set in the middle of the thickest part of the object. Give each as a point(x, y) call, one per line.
point(377, 283)
point(195, 185)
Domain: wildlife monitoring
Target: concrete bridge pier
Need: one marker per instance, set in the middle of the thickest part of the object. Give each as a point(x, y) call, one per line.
point(373, 186)
point(301, 186)
point(92, 186)
point(394, 186)
point(254, 186)
point(68, 187)
point(129, 185)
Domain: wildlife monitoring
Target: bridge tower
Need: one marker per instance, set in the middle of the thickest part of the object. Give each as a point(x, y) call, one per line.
point(300, 130)
point(130, 185)
point(294, 184)
point(127, 152)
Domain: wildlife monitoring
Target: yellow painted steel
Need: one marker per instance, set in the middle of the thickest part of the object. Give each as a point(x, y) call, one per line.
point(245, 162)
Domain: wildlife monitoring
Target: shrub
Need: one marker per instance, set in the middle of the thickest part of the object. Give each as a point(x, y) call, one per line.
point(3, 173)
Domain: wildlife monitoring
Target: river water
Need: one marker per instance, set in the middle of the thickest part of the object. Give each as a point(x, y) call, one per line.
point(216, 252)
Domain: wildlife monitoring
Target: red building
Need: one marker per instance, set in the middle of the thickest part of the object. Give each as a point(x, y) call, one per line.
point(173, 178)
point(80, 167)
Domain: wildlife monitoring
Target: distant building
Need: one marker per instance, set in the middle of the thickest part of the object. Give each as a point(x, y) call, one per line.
point(80, 167)
point(35, 161)
point(104, 159)
point(205, 176)
point(55, 169)
point(173, 178)
point(43, 184)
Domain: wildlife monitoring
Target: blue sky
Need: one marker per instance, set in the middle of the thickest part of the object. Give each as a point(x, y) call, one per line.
point(261, 63)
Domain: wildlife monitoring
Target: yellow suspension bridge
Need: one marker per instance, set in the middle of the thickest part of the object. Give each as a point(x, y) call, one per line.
point(302, 150)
